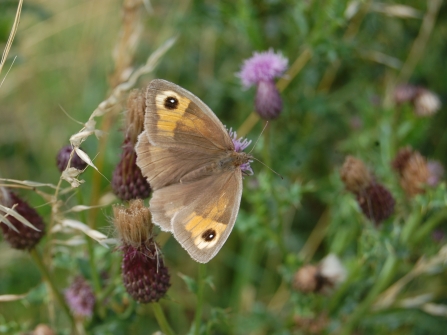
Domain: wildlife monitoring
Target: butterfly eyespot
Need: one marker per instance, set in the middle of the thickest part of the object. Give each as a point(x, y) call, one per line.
point(171, 103)
point(209, 235)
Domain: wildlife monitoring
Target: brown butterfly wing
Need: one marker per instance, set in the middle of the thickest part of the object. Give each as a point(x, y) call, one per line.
point(203, 212)
point(177, 118)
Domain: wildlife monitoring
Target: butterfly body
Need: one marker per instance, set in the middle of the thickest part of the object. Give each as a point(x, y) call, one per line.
point(194, 167)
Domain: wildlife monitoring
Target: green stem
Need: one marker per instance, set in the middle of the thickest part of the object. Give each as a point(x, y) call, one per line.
point(200, 290)
point(91, 259)
point(428, 227)
point(385, 276)
point(161, 319)
point(47, 277)
point(411, 224)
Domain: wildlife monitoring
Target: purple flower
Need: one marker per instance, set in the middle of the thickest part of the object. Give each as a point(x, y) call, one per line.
point(261, 70)
point(241, 144)
point(80, 298)
point(263, 66)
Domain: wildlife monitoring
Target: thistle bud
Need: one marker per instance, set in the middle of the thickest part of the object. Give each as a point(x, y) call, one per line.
point(63, 156)
point(23, 237)
point(80, 297)
point(144, 273)
point(376, 202)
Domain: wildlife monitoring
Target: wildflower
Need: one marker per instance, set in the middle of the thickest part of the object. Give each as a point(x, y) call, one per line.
point(261, 70)
point(435, 172)
point(23, 237)
point(240, 144)
point(80, 297)
point(413, 171)
point(144, 274)
point(375, 201)
point(355, 175)
point(63, 156)
point(127, 180)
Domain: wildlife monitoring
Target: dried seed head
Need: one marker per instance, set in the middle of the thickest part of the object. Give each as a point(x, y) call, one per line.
point(312, 325)
point(307, 279)
point(355, 175)
point(63, 156)
point(127, 180)
point(136, 105)
point(43, 329)
point(426, 103)
point(25, 238)
point(413, 171)
point(145, 276)
point(80, 297)
point(134, 223)
point(376, 202)
point(332, 270)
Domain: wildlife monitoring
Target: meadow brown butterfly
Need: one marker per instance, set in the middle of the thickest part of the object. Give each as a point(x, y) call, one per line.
point(194, 166)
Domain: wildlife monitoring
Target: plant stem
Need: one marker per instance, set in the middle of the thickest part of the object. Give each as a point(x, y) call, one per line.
point(161, 319)
point(385, 276)
point(47, 277)
point(200, 289)
point(431, 224)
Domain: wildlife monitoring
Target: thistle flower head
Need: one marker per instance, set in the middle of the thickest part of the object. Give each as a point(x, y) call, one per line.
point(262, 67)
point(376, 202)
point(240, 144)
point(144, 274)
point(127, 180)
point(136, 105)
point(80, 297)
point(413, 171)
point(355, 175)
point(63, 156)
point(22, 237)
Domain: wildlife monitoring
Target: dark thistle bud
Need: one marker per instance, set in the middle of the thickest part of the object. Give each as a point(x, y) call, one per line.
point(80, 297)
point(127, 180)
point(63, 156)
point(22, 237)
point(376, 202)
point(144, 274)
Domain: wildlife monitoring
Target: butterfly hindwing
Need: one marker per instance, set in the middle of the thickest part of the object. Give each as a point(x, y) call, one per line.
point(203, 226)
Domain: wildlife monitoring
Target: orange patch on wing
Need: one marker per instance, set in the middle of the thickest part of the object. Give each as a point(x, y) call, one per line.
point(169, 118)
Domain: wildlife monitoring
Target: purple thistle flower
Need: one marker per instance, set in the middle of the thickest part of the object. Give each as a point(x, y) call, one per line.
point(263, 66)
point(63, 156)
point(261, 70)
point(80, 297)
point(240, 144)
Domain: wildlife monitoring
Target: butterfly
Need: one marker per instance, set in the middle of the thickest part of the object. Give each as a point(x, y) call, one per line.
point(194, 166)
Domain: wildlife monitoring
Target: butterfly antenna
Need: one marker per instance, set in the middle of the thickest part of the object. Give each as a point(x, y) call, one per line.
point(268, 167)
point(266, 124)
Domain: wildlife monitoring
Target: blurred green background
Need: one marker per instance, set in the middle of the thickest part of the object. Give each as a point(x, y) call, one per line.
point(68, 57)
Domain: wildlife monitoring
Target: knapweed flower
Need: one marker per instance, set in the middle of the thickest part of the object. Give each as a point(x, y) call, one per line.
point(63, 156)
point(240, 144)
point(261, 70)
point(127, 180)
point(80, 297)
point(23, 237)
point(144, 274)
point(424, 101)
point(413, 171)
point(375, 201)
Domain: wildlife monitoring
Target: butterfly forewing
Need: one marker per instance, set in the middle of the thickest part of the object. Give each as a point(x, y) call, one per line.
point(177, 118)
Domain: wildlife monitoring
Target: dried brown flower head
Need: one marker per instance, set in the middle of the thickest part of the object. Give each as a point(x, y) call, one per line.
point(426, 103)
point(413, 171)
point(136, 105)
point(355, 175)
